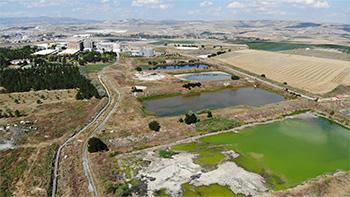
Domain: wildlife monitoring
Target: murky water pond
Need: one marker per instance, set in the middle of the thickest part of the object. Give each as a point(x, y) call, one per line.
point(204, 76)
point(180, 105)
point(177, 67)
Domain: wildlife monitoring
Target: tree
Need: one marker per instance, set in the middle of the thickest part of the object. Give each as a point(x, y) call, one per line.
point(234, 77)
point(210, 114)
point(191, 117)
point(263, 75)
point(284, 83)
point(154, 125)
point(81, 62)
point(95, 145)
point(17, 114)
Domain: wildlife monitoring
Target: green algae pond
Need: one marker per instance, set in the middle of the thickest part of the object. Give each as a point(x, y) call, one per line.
point(286, 152)
point(290, 151)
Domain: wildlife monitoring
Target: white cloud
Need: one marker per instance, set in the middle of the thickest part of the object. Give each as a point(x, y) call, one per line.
point(116, 2)
point(155, 4)
point(3, 3)
point(312, 3)
point(105, 1)
point(235, 5)
point(273, 5)
point(206, 3)
point(50, 3)
point(323, 4)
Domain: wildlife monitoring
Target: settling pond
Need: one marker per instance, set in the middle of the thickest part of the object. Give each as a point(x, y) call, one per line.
point(291, 151)
point(204, 76)
point(180, 105)
point(178, 67)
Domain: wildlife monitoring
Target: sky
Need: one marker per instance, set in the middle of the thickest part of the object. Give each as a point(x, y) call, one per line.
point(337, 11)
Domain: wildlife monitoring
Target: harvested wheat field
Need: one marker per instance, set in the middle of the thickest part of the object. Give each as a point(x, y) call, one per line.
point(316, 75)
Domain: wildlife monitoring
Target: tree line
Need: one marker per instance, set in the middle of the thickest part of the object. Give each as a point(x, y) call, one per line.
point(6, 54)
point(49, 76)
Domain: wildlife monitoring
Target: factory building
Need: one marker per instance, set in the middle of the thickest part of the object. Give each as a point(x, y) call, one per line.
point(76, 45)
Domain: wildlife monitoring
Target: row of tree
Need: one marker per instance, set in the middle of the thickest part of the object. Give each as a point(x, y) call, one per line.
point(47, 76)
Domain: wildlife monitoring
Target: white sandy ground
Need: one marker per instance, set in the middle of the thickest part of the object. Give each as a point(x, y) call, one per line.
point(170, 174)
point(6, 145)
point(149, 76)
point(182, 76)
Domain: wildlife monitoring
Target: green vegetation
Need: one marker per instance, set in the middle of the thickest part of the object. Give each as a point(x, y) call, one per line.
point(93, 68)
point(115, 153)
point(6, 54)
point(47, 76)
point(191, 85)
point(235, 77)
point(13, 164)
point(118, 189)
point(216, 124)
point(282, 46)
point(211, 190)
point(166, 154)
point(191, 117)
point(96, 145)
point(154, 125)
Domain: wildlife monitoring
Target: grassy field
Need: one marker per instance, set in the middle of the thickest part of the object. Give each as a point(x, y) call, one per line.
point(216, 124)
point(282, 46)
point(316, 75)
point(93, 68)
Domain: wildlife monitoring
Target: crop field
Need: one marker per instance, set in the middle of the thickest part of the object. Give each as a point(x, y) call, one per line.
point(316, 75)
point(281, 46)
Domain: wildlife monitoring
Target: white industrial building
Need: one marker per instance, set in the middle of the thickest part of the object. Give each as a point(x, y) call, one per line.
point(147, 51)
point(46, 52)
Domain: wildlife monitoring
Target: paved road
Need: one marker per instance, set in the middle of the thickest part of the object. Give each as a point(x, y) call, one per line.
point(87, 171)
point(88, 174)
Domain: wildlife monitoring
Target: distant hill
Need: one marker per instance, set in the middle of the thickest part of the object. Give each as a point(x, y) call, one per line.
point(20, 21)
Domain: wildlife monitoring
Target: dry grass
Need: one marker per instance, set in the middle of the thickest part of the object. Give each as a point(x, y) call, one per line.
point(316, 75)
point(27, 101)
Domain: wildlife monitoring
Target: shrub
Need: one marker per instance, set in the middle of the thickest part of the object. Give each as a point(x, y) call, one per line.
point(38, 101)
point(166, 154)
point(216, 124)
point(95, 145)
point(17, 114)
point(191, 117)
point(210, 114)
point(181, 120)
point(234, 77)
point(263, 75)
point(154, 125)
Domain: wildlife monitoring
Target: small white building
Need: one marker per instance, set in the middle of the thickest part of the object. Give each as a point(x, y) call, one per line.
point(20, 61)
